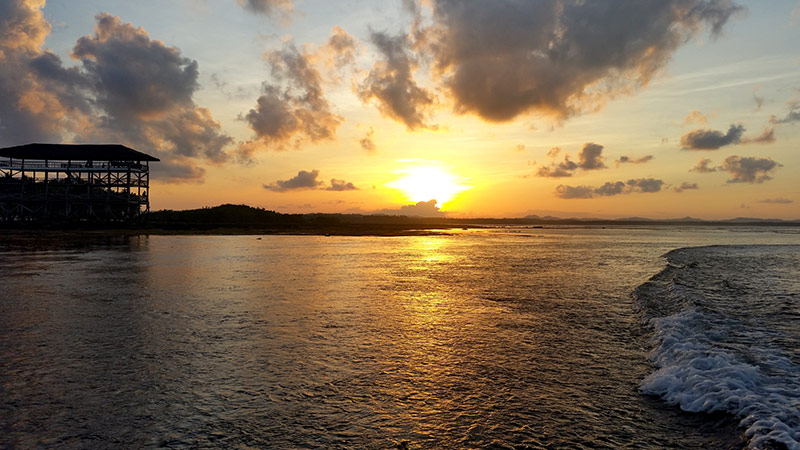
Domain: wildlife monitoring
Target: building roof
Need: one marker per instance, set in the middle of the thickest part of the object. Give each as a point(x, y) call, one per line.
point(86, 152)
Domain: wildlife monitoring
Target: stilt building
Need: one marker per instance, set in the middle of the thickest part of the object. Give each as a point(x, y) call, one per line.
point(73, 183)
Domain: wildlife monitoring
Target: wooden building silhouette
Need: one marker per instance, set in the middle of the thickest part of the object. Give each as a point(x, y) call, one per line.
point(73, 183)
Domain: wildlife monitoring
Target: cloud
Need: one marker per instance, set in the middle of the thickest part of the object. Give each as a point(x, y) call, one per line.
point(520, 147)
point(645, 185)
point(792, 116)
point(502, 59)
point(611, 188)
point(703, 166)
point(126, 88)
point(40, 98)
point(758, 99)
point(391, 83)
point(704, 139)
point(303, 180)
point(145, 89)
point(420, 209)
point(368, 142)
point(685, 186)
point(766, 137)
point(308, 180)
point(629, 160)
point(695, 116)
point(275, 8)
point(572, 192)
point(562, 169)
point(340, 185)
point(749, 169)
point(590, 157)
point(293, 109)
point(777, 201)
point(553, 152)
point(340, 49)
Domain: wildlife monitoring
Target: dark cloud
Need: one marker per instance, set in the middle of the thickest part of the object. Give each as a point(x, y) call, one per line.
point(777, 201)
point(504, 58)
point(367, 142)
point(391, 83)
point(145, 90)
point(303, 180)
point(611, 188)
point(177, 169)
point(703, 166)
point(648, 185)
point(340, 185)
point(276, 8)
point(590, 157)
point(420, 209)
point(293, 109)
point(308, 180)
point(127, 88)
point(749, 169)
point(712, 139)
point(629, 160)
point(685, 186)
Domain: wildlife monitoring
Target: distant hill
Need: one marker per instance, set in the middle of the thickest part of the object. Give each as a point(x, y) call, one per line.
point(228, 214)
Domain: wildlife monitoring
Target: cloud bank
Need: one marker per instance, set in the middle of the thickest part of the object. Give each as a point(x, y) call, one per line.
point(611, 188)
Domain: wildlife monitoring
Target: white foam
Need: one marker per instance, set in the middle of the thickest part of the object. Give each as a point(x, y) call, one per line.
point(696, 371)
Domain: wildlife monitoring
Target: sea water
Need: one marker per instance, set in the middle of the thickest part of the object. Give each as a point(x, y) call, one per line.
point(727, 323)
point(485, 338)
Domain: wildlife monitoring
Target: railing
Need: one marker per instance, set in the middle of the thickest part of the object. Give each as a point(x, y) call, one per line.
point(113, 165)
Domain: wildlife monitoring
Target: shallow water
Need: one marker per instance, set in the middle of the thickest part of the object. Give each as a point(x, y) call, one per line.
point(507, 338)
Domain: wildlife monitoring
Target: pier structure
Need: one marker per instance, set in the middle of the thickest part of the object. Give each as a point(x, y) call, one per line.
point(73, 183)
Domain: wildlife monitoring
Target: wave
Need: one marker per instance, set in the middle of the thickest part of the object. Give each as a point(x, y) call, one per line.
point(712, 353)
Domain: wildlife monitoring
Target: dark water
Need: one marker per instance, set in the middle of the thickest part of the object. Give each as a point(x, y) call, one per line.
point(507, 338)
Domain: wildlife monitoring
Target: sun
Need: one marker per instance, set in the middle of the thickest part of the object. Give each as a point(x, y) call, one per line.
point(424, 183)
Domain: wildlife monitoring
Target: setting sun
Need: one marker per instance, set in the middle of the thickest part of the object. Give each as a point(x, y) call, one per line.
point(423, 183)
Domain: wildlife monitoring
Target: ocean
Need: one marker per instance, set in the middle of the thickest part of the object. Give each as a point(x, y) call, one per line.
point(509, 337)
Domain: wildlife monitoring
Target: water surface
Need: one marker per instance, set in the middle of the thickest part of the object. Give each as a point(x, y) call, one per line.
point(504, 338)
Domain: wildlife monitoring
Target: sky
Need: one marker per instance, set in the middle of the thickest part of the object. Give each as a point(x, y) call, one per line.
point(463, 108)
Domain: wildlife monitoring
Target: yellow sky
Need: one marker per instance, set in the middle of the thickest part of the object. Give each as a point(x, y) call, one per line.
point(369, 106)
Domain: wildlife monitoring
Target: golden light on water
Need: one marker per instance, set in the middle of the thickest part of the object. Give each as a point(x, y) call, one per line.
point(428, 182)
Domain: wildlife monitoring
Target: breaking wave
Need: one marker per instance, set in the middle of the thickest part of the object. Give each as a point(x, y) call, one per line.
point(726, 322)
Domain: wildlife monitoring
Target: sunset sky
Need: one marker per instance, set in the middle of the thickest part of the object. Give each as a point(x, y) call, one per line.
point(602, 108)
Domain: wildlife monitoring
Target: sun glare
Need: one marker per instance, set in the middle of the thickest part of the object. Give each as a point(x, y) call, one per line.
point(425, 183)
